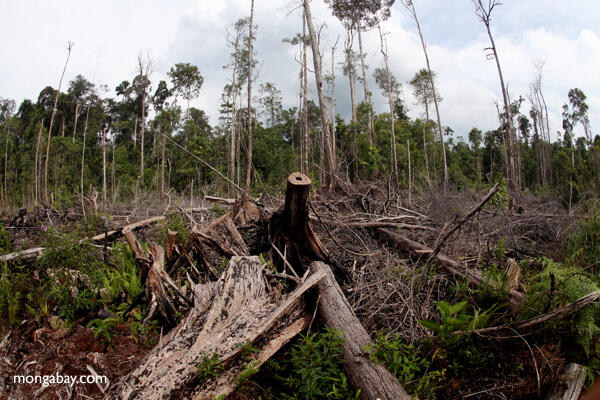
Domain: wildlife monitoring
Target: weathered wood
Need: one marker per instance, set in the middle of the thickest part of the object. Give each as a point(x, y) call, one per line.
point(219, 239)
point(290, 227)
point(220, 200)
point(234, 311)
point(570, 383)
point(131, 227)
point(474, 276)
point(170, 245)
point(374, 381)
point(29, 253)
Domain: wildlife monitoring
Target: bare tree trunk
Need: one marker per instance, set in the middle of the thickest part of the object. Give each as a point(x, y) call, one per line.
point(104, 166)
point(37, 149)
point(87, 115)
point(305, 95)
point(426, 157)
point(76, 118)
point(485, 14)
point(333, 95)
point(135, 132)
point(366, 87)
point(162, 167)
point(144, 71)
point(409, 174)
point(250, 49)
point(69, 47)
point(330, 180)
point(231, 166)
point(5, 191)
point(391, 101)
point(411, 7)
point(112, 173)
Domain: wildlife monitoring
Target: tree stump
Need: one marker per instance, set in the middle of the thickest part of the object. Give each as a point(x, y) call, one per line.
point(290, 227)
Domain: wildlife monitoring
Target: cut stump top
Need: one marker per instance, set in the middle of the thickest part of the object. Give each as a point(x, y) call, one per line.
point(299, 179)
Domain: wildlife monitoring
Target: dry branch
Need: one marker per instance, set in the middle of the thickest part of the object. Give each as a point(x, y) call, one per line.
point(131, 227)
point(474, 276)
point(374, 381)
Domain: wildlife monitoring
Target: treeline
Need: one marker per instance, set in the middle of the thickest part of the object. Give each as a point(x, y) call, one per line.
point(81, 143)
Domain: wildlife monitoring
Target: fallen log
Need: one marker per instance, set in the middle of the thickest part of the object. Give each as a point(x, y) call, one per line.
point(235, 311)
point(570, 383)
point(29, 253)
point(373, 380)
point(131, 227)
point(228, 202)
point(290, 227)
point(475, 277)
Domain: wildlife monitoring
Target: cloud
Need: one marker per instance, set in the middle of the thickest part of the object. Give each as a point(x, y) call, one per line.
point(35, 34)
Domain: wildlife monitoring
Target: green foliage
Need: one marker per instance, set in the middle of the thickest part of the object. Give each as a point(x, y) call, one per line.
point(209, 367)
point(455, 318)
point(104, 327)
point(583, 249)
point(5, 242)
point(409, 365)
point(316, 363)
point(176, 223)
point(91, 224)
point(10, 296)
point(556, 286)
point(126, 278)
point(250, 370)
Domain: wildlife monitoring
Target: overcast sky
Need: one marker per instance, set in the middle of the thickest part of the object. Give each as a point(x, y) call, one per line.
point(112, 33)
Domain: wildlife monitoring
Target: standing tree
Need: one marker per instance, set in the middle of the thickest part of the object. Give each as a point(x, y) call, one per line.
point(422, 90)
point(349, 69)
point(69, 48)
point(410, 6)
point(484, 12)
point(7, 108)
point(331, 176)
point(141, 85)
point(391, 88)
point(187, 82)
point(250, 50)
point(539, 114)
point(271, 102)
point(361, 16)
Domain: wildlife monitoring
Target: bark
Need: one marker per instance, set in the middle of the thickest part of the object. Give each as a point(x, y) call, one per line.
point(333, 96)
point(374, 381)
point(305, 168)
point(69, 47)
point(331, 178)
point(104, 166)
point(290, 227)
point(113, 234)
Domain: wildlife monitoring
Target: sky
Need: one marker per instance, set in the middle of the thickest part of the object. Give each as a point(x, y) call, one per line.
point(109, 35)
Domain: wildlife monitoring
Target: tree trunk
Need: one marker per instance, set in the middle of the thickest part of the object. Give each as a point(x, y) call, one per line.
point(69, 47)
point(331, 178)
point(76, 118)
point(333, 96)
point(366, 87)
point(409, 175)
point(250, 49)
point(135, 132)
point(435, 100)
point(374, 381)
point(104, 166)
point(37, 148)
point(388, 77)
point(305, 96)
point(87, 115)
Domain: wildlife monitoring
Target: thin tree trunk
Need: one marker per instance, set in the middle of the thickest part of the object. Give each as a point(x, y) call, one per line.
point(135, 132)
point(37, 150)
point(333, 95)
point(426, 158)
point(305, 95)
point(409, 174)
point(250, 49)
point(330, 180)
point(104, 166)
point(162, 167)
point(388, 76)
point(87, 115)
point(5, 191)
point(76, 118)
point(69, 47)
point(411, 8)
point(366, 87)
point(112, 173)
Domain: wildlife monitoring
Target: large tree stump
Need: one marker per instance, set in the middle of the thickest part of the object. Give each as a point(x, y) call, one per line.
point(227, 314)
point(374, 381)
point(290, 227)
